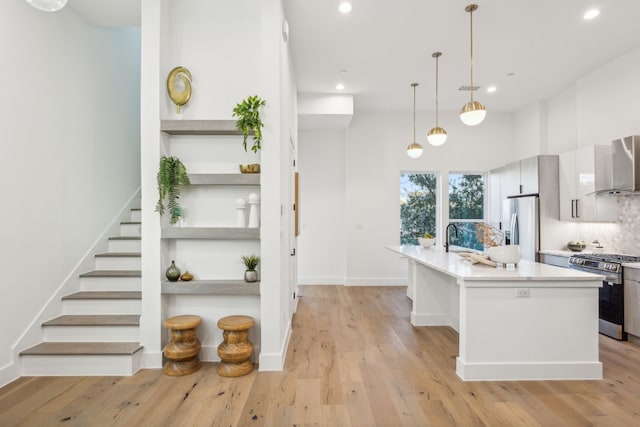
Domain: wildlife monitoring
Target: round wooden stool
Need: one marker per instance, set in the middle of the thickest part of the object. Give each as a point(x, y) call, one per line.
point(236, 348)
point(183, 347)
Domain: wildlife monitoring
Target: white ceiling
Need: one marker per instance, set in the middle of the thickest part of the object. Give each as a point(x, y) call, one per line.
point(386, 45)
point(108, 13)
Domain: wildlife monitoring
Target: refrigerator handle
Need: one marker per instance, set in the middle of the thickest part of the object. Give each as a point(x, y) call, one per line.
point(577, 214)
point(513, 232)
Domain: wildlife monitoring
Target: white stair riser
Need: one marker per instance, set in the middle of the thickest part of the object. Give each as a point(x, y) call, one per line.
point(136, 216)
point(98, 365)
point(110, 283)
point(118, 263)
point(111, 306)
point(130, 229)
point(92, 333)
point(125, 246)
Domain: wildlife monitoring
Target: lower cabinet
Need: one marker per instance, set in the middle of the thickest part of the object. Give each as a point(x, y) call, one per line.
point(632, 301)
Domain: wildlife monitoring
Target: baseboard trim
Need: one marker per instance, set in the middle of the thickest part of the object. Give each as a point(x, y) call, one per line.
point(275, 361)
point(352, 281)
point(151, 359)
point(320, 280)
point(528, 371)
point(9, 373)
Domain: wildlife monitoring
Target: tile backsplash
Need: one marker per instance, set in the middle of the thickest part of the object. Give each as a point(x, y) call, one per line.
point(627, 237)
point(619, 237)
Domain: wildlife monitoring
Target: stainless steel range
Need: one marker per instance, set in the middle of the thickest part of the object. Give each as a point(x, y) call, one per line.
point(611, 301)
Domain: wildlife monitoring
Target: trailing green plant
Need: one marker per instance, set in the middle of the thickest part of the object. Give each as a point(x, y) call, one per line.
point(171, 175)
point(248, 114)
point(251, 261)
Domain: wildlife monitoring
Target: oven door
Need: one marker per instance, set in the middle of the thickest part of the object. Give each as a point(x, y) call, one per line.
point(610, 303)
point(611, 308)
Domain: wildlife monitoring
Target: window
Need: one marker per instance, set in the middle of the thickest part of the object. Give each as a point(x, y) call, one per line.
point(466, 208)
point(417, 206)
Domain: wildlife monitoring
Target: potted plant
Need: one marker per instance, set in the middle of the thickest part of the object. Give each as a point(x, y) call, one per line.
point(250, 262)
point(248, 114)
point(171, 175)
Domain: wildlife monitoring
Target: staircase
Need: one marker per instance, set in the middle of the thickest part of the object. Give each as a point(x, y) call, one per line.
point(98, 332)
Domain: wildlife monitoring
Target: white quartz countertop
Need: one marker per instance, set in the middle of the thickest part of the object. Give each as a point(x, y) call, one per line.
point(454, 265)
point(631, 265)
point(563, 253)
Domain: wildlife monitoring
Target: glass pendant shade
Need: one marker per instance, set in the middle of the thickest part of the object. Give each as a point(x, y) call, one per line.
point(414, 150)
point(48, 5)
point(473, 113)
point(437, 136)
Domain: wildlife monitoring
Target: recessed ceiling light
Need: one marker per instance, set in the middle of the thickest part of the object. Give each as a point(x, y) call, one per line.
point(345, 7)
point(491, 89)
point(591, 13)
point(340, 86)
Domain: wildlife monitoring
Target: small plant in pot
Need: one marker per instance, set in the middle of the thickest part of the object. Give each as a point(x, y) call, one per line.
point(171, 175)
point(250, 262)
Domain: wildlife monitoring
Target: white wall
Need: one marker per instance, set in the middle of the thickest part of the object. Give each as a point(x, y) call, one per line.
point(322, 242)
point(70, 134)
point(373, 154)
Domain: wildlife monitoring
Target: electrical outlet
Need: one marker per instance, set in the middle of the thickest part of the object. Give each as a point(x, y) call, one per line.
point(522, 293)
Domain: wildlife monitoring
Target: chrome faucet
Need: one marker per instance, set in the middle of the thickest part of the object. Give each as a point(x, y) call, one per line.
point(455, 228)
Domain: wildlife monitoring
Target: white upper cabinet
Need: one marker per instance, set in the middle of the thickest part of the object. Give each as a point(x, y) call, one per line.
point(529, 175)
point(521, 177)
point(582, 173)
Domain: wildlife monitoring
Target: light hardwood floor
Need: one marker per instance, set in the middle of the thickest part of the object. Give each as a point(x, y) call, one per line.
point(353, 360)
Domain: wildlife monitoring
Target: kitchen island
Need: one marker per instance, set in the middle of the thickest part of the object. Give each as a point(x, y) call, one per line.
point(532, 322)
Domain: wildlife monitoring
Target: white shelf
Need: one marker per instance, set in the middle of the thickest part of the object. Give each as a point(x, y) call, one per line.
point(224, 179)
point(200, 127)
point(220, 233)
point(211, 287)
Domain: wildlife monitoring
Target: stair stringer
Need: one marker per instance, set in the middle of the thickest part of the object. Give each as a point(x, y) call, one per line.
point(33, 334)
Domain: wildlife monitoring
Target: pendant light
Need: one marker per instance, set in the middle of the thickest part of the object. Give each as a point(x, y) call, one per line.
point(437, 135)
point(473, 112)
point(48, 5)
point(414, 150)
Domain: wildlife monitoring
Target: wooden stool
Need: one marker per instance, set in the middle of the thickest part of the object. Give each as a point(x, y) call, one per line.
point(236, 348)
point(183, 347)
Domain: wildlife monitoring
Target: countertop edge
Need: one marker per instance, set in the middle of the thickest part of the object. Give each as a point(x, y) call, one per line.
point(479, 275)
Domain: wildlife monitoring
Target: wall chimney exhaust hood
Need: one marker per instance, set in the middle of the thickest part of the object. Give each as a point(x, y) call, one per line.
point(625, 158)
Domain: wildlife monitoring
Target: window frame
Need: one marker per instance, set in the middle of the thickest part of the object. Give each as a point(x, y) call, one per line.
point(485, 201)
point(438, 207)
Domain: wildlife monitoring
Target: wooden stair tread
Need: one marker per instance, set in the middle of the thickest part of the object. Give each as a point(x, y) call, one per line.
point(95, 320)
point(112, 273)
point(125, 238)
point(82, 348)
point(119, 254)
point(103, 295)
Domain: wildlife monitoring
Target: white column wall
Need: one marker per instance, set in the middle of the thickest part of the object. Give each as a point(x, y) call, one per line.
point(322, 243)
point(70, 138)
point(233, 50)
point(373, 154)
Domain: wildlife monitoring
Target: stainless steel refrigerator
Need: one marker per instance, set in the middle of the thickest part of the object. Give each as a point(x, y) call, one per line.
point(523, 224)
